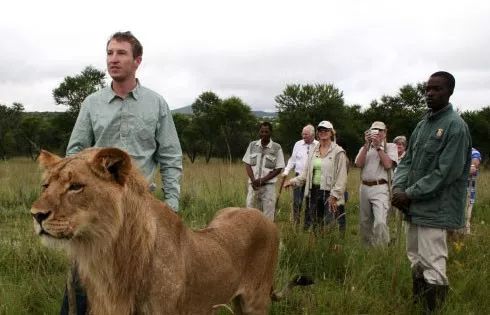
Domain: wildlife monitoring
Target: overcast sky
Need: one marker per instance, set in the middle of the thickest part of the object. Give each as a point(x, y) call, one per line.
point(250, 49)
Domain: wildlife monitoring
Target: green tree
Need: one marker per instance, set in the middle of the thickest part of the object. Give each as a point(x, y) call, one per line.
point(479, 125)
point(203, 109)
point(299, 105)
point(236, 124)
point(189, 135)
point(224, 125)
point(9, 128)
point(401, 112)
point(74, 89)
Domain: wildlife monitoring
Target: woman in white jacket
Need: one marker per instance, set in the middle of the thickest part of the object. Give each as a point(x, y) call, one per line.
point(325, 178)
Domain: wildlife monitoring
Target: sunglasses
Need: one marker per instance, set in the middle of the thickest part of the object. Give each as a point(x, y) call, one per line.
point(324, 129)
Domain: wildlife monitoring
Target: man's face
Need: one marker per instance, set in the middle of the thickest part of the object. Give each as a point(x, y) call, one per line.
point(307, 136)
point(265, 133)
point(437, 93)
point(120, 62)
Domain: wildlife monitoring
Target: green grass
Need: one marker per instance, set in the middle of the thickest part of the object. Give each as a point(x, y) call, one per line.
point(349, 278)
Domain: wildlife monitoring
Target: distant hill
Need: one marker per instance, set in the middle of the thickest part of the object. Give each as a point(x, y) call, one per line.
point(187, 110)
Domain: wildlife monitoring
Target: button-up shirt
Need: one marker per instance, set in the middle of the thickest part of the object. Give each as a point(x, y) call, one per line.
point(264, 159)
point(142, 125)
point(373, 168)
point(299, 156)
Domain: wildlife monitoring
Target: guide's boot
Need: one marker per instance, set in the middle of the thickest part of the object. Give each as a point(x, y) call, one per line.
point(419, 286)
point(435, 296)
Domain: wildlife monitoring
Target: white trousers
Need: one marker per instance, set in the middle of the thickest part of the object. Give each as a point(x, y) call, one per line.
point(374, 203)
point(427, 251)
point(263, 199)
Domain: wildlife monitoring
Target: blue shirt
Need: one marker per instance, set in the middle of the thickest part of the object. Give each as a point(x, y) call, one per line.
point(142, 125)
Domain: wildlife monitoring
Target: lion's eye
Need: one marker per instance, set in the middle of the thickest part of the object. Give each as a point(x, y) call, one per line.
point(76, 186)
point(44, 186)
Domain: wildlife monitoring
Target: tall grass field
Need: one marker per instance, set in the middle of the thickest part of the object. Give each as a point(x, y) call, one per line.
point(349, 279)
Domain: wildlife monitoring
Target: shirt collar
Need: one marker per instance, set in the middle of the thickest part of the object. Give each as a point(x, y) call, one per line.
point(259, 143)
point(434, 115)
point(135, 93)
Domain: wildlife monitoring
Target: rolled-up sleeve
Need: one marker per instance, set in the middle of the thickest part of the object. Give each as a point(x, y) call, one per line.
point(169, 156)
point(82, 135)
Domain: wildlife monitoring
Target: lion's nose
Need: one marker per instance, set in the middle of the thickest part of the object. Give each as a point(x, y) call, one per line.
point(40, 216)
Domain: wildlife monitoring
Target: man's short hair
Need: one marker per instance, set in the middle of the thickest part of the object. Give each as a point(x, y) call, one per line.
point(310, 129)
point(266, 124)
point(127, 36)
point(451, 82)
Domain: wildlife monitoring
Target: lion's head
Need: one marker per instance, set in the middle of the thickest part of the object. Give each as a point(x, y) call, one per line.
point(82, 196)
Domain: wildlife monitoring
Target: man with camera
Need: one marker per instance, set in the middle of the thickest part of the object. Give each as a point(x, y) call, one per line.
point(376, 158)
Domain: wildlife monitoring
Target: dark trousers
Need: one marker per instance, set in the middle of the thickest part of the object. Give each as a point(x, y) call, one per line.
point(320, 213)
point(80, 296)
point(298, 194)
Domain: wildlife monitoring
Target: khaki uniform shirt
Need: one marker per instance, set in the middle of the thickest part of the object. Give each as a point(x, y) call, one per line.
point(264, 160)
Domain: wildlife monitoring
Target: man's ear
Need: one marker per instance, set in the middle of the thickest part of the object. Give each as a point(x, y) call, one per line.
point(48, 159)
point(113, 163)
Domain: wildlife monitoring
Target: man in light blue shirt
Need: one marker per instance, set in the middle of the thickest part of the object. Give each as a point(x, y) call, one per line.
point(131, 117)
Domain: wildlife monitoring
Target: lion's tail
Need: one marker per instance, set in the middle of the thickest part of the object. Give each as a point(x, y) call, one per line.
point(296, 281)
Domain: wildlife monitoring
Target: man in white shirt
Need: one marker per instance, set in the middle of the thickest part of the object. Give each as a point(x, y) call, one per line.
point(377, 159)
point(297, 162)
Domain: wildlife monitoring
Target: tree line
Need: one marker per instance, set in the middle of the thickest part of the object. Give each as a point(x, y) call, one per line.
point(222, 128)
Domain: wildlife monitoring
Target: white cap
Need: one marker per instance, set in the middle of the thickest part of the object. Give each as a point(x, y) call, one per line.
point(378, 125)
point(325, 124)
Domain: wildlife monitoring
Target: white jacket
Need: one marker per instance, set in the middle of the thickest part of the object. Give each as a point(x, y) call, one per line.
point(334, 173)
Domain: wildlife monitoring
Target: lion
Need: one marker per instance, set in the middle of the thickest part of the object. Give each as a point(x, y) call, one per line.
point(134, 254)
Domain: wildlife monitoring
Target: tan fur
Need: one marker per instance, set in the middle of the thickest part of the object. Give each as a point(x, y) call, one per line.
point(134, 254)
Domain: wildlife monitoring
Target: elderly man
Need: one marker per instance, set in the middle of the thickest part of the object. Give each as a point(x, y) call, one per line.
point(376, 158)
point(297, 161)
point(430, 188)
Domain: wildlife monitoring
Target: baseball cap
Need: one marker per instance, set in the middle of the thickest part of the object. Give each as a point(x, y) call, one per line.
point(378, 125)
point(325, 124)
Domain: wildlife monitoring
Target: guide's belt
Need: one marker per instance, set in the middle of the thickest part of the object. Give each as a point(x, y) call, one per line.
point(374, 182)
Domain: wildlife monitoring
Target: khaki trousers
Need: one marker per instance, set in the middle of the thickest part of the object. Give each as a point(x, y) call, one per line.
point(263, 199)
point(427, 252)
point(374, 202)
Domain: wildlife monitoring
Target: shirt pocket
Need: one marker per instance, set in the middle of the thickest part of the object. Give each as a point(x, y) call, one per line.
point(253, 159)
point(270, 161)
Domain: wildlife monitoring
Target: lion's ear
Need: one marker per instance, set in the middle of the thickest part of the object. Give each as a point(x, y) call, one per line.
point(113, 162)
point(48, 159)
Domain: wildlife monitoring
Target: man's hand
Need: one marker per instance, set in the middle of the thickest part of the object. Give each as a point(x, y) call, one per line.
point(256, 183)
point(400, 200)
